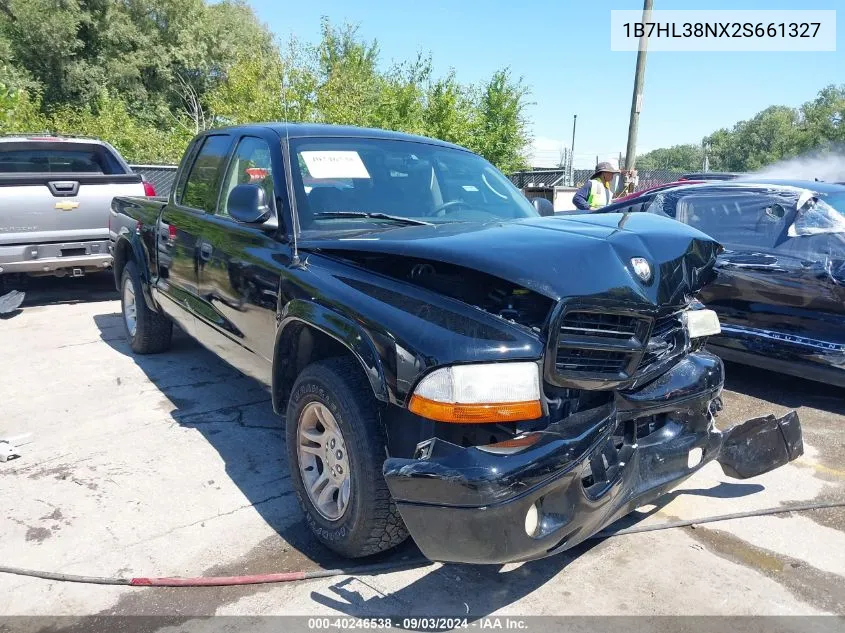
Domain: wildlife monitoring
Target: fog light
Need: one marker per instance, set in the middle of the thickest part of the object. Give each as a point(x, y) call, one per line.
point(532, 520)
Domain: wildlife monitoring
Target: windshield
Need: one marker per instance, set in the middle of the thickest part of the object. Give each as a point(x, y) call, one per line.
point(835, 200)
point(349, 183)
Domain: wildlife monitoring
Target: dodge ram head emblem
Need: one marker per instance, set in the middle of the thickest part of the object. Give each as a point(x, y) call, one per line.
point(642, 268)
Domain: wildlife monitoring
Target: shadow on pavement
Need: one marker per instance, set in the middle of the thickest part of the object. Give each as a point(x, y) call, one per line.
point(488, 588)
point(234, 414)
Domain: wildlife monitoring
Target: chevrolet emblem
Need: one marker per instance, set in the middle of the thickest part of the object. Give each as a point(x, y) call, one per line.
point(67, 205)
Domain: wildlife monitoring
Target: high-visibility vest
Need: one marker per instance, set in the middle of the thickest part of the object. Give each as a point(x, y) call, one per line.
point(599, 194)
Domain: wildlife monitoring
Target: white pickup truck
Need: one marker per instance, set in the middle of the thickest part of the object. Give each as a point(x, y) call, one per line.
point(55, 197)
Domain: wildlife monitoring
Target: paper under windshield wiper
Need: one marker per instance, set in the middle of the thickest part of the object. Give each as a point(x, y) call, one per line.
point(374, 215)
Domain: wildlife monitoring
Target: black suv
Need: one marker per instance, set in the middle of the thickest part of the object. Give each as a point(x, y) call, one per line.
point(449, 363)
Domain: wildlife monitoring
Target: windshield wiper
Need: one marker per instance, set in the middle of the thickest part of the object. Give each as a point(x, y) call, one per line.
point(374, 215)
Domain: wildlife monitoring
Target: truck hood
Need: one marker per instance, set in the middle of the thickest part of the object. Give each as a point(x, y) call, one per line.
point(558, 257)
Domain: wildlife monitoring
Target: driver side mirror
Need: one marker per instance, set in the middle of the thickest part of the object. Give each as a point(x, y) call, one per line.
point(248, 204)
point(544, 206)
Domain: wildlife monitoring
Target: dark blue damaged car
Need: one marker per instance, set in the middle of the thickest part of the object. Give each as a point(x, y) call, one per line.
point(779, 289)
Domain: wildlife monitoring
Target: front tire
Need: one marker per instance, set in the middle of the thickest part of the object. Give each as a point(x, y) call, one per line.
point(336, 449)
point(148, 332)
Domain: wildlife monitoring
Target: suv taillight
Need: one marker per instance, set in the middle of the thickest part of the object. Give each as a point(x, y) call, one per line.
point(149, 190)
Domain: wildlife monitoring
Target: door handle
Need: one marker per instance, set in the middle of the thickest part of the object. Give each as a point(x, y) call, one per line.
point(205, 251)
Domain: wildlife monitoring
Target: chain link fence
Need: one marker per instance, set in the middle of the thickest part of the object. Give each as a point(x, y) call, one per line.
point(537, 178)
point(159, 176)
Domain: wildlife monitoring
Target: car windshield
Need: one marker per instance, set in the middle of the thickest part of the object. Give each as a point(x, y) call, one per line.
point(817, 216)
point(345, 184)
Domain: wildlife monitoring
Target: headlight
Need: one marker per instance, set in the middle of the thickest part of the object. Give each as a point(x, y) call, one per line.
point(477, 394)
point(701, 323)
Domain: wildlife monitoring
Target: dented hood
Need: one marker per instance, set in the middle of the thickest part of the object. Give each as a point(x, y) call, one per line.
point(564, 256)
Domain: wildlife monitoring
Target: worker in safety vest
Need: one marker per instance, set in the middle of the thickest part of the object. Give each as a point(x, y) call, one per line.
point(598, 191)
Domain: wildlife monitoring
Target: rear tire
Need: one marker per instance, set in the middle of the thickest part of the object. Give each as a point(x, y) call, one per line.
point(332, 402)
point(148, 332)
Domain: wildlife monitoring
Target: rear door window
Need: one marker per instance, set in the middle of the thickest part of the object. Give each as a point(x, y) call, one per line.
point(203, 182)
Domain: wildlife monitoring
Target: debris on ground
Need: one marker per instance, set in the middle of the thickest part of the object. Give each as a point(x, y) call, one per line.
point(10, 446)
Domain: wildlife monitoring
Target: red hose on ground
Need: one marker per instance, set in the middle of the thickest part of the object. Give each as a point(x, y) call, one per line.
point(364, 570)
point(290, 576)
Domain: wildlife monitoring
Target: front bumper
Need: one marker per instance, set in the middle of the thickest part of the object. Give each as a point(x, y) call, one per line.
point(48, 259)
point(470, 505)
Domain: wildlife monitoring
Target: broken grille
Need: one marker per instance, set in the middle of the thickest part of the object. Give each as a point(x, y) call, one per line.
point(603, 345)
point(663, 340)
point(601, 361)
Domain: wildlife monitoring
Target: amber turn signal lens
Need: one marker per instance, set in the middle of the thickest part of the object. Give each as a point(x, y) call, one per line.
point(475, 413)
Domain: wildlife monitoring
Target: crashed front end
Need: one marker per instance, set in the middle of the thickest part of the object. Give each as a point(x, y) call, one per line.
point(627, 397)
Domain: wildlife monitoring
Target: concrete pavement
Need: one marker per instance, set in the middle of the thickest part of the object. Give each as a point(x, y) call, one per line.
point(174, 465)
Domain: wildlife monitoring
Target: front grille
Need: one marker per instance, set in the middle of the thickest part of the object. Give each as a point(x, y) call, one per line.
point(595, 345)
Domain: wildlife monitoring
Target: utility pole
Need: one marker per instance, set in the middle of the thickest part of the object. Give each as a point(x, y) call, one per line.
point(572, 153)
point(637, 101)
point(705, 144)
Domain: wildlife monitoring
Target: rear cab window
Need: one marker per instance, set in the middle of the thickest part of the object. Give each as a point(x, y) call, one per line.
point(56, 157)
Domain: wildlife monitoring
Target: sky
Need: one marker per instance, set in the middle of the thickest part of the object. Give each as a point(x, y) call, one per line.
point(562, 51)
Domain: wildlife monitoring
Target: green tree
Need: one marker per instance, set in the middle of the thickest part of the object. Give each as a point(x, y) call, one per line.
point(449, 111)
point(142, 51)
point(109, 118)
point(824, 118)
point(675, 158)
point(339, 80)
point(401, 100)
point(146, 75)
point(349, 89)
point(20, 111)
point(251, 91)
point(500, 128)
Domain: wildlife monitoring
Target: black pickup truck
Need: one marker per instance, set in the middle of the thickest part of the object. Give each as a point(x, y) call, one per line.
point(450, 363)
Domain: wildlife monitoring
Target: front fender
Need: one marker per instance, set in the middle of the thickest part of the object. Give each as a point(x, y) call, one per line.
point(341, 329)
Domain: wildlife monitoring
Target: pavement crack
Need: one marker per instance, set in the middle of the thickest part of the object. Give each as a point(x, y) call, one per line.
point(276, 497)
point(232, 414)
point(99, 340)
